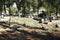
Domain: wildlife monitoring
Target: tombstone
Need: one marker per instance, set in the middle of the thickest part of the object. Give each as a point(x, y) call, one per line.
point(43, 28)
point(50, 19)
point(40, 20)
point(42, 15)
point(24, 25)
point(54, 18)
point(56, 26)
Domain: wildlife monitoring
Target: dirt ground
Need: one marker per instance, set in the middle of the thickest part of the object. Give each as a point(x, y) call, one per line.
point(25, 33)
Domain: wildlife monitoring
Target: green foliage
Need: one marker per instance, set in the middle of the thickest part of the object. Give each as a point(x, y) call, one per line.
point(50, 5)
point(26, 5)
point(14, 10)
point(34, 3)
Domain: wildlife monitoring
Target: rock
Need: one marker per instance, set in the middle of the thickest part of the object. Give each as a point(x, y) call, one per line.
point(9, 30)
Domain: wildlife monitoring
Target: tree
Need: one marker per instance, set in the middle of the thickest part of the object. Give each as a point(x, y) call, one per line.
point(34, 5)
point(1, 6)
point(55, 4)
point(13, 10)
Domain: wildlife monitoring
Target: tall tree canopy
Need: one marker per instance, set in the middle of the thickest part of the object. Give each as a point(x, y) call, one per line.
point(26, 5)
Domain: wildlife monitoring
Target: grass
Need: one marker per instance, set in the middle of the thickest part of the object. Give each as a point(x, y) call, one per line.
point(33, 23)
point(27, 21)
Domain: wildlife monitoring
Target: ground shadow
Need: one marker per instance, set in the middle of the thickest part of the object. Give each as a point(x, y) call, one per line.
point(25, 35)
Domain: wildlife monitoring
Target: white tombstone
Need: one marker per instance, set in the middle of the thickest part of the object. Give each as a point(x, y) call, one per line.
point(42, 20)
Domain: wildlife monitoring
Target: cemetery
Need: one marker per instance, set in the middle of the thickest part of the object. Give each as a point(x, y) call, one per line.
point(29, 19)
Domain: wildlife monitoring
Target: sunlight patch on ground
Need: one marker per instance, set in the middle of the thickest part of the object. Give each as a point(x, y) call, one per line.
point(33, 23)
point(27, 21)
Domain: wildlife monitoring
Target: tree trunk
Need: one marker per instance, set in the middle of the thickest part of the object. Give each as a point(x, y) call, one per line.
point(10, 11)
point(4, 7)
point(1, 8)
